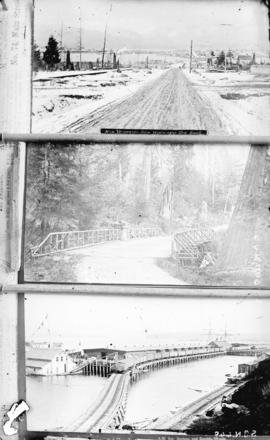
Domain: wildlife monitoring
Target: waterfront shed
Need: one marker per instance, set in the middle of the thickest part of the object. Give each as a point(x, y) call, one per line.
point(48, 362)
point(247, 367)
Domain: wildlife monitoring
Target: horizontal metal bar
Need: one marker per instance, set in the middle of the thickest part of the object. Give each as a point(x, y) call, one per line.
point(138, 290)
point(119, 435)
point(125, 139)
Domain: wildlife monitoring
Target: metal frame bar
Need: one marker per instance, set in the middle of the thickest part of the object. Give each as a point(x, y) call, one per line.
point(127, 138)
point(130, 289)
point(118, 435)
point(124, 290)
point(20, 288)
point(119, 290)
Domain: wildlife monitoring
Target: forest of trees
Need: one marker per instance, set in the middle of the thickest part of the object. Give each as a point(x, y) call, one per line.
point(82, 187)
point(78, 187)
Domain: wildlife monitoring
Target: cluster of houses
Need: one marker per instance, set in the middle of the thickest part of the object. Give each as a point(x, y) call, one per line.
point(227, 61)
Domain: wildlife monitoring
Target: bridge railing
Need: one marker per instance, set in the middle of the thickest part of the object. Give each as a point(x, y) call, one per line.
point(186, 244)
point(124, 364)
point(137, 232)
point(63, 241)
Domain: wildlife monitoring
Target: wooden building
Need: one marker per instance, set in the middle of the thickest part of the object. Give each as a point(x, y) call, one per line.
point(48, 362)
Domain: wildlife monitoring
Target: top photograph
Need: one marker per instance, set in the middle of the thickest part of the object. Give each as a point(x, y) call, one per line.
point(191, 66)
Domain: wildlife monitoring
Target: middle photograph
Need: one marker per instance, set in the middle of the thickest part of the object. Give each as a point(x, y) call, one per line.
point(158, 214)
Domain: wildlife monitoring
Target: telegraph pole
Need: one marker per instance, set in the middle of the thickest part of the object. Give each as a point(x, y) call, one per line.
point(105, 38)
point(61, 37)
point(80, 41)
point(104, 47)
point(190, 60)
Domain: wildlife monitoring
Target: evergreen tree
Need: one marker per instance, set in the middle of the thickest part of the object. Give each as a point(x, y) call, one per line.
point(52, 190)
point(51, 55)
point(37, 62)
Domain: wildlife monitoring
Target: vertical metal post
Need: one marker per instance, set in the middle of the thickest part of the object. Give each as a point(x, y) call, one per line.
point(80, 42)
point(15, 115)
point(104, 47)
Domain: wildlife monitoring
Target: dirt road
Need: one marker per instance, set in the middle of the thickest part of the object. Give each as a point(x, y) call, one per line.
point(133, 261)
point(168, 102)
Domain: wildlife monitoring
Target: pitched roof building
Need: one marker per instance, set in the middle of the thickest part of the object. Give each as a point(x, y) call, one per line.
point(48, 362)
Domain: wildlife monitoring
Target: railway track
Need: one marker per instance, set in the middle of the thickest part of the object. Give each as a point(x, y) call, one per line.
point(103, 411)
point(184, 416)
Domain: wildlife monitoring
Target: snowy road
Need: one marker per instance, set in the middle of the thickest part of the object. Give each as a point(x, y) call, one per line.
point(167, 102)
point(133, 261)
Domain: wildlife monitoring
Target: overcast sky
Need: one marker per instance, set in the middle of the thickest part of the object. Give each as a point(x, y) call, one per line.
point(154, 24)
point(137, 320)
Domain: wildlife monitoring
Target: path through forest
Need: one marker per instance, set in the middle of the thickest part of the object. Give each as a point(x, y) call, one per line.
point(167, 102)
point(133, 261)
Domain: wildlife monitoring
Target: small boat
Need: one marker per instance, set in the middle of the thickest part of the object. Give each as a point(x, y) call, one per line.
point(194, 389)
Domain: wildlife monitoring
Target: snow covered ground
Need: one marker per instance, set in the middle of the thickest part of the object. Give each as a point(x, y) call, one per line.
point(166, 100)
point(240, 99)
point(60, 101)
point(221, 102)
point(47, 75)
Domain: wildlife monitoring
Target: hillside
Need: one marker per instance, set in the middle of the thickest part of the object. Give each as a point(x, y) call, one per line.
point(251, 412)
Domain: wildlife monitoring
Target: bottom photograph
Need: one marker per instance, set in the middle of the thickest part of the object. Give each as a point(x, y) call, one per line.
point(99, 364)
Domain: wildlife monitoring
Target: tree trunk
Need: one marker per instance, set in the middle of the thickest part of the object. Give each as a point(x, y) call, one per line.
point(246, 249)
point(167, 199)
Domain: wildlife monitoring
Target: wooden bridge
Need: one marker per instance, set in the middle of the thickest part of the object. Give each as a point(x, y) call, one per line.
point(95, 367)
point(189, 246)
point(108, 411)
point(142, 360)
point(68, 240)
point(147, 367)
point(247, 352)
